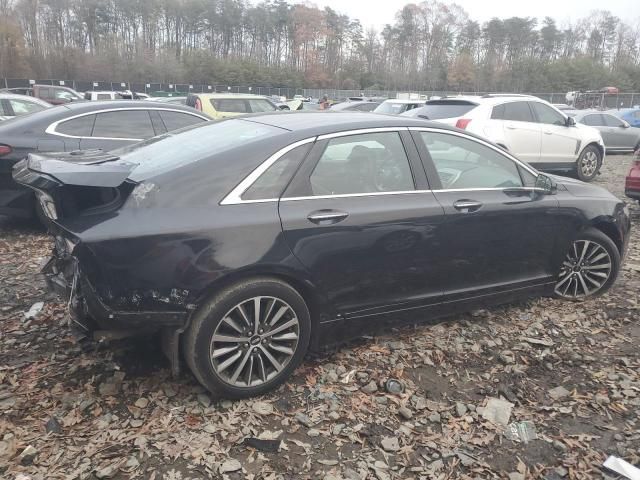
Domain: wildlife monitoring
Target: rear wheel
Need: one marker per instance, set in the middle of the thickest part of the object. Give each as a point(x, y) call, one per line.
point(249, 338)
point(589, 268)
point(589, 163)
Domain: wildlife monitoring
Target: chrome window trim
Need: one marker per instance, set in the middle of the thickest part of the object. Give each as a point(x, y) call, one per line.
point(51, 129)
point(504, 153)
point(235, 196)
point(360, 131)
point(350, 195)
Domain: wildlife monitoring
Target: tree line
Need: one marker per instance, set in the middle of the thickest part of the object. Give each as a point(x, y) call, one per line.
point(430, 45)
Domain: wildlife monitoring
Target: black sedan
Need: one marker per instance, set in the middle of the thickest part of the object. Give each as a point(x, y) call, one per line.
point(75, 126)
point(249, 241)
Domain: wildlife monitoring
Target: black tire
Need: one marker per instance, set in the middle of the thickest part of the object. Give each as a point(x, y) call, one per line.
point(596, 237)
point(198, 339)
point(589, 163)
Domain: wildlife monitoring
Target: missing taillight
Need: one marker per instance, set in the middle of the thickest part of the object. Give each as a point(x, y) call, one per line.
point(5, 150)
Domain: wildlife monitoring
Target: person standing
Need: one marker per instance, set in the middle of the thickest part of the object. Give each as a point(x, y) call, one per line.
point(324, 103)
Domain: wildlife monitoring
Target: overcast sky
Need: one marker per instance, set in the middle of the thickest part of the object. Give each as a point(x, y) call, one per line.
point(377, 13)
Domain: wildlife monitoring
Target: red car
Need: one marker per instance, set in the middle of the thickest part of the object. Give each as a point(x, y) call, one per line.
point(632, 182)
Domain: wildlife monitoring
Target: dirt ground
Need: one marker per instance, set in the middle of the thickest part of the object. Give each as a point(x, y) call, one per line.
point(74, 409)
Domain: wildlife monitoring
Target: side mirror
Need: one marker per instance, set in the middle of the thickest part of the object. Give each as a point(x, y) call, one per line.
point(570, 122)
point(546, 184)
point(284, 107)
point(625, 125)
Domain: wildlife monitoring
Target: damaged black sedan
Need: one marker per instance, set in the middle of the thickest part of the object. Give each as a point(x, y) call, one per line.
point(249, 241)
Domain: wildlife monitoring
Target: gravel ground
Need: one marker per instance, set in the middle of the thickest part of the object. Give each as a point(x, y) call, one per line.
point(570, 372)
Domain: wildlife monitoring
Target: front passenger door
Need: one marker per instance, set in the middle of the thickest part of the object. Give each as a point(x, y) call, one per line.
point(559, 142)
point(499, 233)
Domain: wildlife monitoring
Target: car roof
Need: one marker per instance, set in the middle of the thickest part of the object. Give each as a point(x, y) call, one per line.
point(323, 122)
point(495, 99)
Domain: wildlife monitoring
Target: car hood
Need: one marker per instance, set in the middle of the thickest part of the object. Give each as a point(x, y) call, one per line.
point(578, 188)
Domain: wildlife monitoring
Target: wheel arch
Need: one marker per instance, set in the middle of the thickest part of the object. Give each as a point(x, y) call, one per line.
point(593, 143)
point(609, 228)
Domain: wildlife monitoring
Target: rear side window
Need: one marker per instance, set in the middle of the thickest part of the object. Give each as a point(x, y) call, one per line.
point(594, 120)
point(440, 109)
point(46, 93)
point(260, 105)
point(233, 105)
point(273, 181)
point(103, 96)
point(123, 124)
point(77, 127)
point(518, 112)
point(176, 120)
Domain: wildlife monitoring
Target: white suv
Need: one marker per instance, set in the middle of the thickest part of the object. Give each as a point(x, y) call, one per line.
point(532, 129)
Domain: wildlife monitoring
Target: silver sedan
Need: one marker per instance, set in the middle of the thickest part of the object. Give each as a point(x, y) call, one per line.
point(618, 135)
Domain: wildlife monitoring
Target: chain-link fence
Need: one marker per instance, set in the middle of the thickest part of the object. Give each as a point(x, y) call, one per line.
point(591, 100)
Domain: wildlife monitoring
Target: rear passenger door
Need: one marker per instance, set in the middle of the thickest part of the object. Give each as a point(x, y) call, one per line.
point(522, 134)
point(360, 217)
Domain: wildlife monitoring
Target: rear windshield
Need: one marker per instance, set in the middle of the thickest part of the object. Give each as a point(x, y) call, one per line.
point(435, 110)
point(179, 148)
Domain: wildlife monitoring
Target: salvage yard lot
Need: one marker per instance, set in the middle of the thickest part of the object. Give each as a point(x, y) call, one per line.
point(113, 411)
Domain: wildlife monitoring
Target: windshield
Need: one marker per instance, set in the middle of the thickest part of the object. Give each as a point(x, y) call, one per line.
point(188, 145)
point(438, 110)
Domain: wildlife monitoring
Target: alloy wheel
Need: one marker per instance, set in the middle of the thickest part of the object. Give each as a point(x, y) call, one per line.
point(585, 270)
point(589, 163)
point(254, 341)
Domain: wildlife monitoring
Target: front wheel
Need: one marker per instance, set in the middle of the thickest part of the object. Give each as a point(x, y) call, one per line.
point(589, 268)
point(249, 338)
point(588, 163)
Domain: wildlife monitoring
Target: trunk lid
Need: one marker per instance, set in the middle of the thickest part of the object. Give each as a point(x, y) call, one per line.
point(76, 183)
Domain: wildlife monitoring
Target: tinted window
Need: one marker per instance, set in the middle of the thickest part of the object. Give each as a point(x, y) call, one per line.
point(612, 121)
point(547, 114)
point(46, 93)
point(261, 105)
point(77, 127)
point(498, 112)
point(367, 163)
point(594, 120)
point(170, 151)
point(103, 96)
point(273, 181)
point(462, 163)
point(518, 112)
point(435, 110)
point(123, 124)
point(176, 120)
point(20, 107)
point(235, 105)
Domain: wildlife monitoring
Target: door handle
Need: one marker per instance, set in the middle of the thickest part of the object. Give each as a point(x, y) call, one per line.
point(326, 217)
point(467, 206)
point(548, 133)
point(511, 127)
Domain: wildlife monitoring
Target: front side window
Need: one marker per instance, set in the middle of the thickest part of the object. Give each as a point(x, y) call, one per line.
point(612, 121)
point(233, 105)
point(176, 120)
point(259, 105)
point(20, 107)
point(518, 112)
point(365, 163)
point(123, 124)
point(547, 115)
point(77, 127)
point(463, 163)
